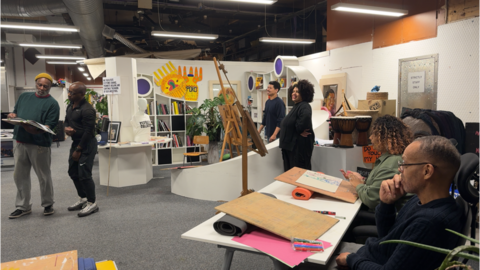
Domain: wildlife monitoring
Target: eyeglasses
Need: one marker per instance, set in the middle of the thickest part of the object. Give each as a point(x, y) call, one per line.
point(402, 165)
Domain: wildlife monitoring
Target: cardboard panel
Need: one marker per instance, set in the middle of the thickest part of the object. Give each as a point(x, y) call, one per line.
point(384, 107)
point(345, 192)
point(279, 217)
point(64, 260)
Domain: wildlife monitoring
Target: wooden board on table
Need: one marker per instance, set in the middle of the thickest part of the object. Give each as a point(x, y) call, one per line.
point(64, 260)
point(278, 217)
point(345, 192)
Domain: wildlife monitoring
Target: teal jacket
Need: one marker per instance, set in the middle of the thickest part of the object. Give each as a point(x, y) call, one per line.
point(386, 166)
point(44, 110)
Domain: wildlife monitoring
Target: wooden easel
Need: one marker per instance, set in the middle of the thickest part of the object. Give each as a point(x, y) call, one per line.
point(232, 130)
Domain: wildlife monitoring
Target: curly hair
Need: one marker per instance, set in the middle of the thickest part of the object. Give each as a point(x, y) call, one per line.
point(392, 133)
point(305, 88)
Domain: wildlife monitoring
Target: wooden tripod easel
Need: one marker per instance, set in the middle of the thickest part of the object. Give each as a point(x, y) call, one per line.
point(232, 129)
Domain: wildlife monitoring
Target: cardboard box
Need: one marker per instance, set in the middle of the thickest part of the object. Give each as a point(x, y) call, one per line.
point(384, 107)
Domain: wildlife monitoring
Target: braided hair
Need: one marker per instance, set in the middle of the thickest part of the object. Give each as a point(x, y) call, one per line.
point(392, 133)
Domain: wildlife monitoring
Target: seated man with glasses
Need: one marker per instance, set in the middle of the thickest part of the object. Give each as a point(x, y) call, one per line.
point(428, 169)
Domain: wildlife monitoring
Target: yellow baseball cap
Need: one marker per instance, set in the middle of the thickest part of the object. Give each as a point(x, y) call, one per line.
point(44, 75)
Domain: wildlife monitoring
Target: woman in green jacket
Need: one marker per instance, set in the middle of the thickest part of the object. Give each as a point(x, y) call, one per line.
point(390, 136)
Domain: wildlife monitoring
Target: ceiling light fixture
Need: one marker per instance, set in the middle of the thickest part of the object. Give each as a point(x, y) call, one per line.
point(183, 35)
point(38, 26)
point(81, 69)
point(88, 78)
point(60, 63)
point(369, 10)
point(287, 40)
point(86, 74)
point(263, 2)
point(52, 45)
point(65, 57)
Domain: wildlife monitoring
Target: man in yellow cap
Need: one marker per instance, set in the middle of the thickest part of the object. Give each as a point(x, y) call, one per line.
point(33, 145)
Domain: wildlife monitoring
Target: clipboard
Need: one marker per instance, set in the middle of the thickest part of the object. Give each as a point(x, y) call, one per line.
point(345, 192)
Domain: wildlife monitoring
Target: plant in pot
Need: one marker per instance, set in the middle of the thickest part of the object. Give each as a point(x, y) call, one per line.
point(206, 120)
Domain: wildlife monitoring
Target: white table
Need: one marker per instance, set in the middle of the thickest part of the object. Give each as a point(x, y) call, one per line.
point(7, 162)
point(330, 160)
point(129, 164)
point(205, 232)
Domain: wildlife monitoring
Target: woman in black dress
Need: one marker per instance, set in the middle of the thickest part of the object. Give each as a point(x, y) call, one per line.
point(296, 132)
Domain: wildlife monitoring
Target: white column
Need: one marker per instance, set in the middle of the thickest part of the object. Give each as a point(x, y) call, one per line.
point(122, 107)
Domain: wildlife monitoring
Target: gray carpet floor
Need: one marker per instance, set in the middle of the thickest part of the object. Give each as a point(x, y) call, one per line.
point(138, 227)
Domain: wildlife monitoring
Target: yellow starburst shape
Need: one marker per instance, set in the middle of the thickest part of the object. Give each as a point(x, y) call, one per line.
point(171, 81)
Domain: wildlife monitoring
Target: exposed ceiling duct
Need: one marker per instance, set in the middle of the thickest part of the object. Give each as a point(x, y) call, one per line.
point(87, 15)
point(110, 33)
point(29, 8)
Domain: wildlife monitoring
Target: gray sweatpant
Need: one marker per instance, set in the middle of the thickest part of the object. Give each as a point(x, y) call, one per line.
point(27, 156)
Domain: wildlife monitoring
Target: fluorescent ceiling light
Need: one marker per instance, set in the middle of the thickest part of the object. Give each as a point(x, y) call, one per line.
point(183, 35)
point(81, 69)
point(88, 78)
point(369, 9)
point(86, 74)
point(61, 63)
point(287, 40)
point(65, 57)
point(52, 45)
point(39, 26)
point(263, 2)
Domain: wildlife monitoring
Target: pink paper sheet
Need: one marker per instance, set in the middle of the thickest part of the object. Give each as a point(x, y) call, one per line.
point(275, 246)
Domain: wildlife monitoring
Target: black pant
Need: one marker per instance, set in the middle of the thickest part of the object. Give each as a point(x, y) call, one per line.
point(81, 171)
point(297, 158)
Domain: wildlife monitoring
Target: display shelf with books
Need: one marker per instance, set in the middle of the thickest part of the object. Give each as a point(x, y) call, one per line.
point(168, 116)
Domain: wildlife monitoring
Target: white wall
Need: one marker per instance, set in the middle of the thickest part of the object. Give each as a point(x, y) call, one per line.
point(236, 72)
point(457, 45)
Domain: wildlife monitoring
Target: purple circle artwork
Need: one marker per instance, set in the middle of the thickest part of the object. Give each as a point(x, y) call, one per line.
point(143, 86)
point(278, 66)
point(250, 83)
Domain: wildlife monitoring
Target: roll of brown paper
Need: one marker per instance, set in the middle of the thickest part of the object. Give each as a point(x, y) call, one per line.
point(301, 193)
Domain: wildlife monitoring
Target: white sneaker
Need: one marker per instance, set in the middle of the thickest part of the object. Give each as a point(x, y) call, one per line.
point(88, 209)
point(78, 205)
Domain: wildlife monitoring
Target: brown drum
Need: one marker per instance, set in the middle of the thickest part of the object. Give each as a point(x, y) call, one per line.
point(347, 126)
point(336, 129)
point(363, 125)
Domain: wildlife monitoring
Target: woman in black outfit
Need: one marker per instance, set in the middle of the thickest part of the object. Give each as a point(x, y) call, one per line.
point(296, 132)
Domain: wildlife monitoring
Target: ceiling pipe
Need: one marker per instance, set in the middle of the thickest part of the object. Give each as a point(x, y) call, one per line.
point(110, 33)
point(87, 15)
point(29, 8)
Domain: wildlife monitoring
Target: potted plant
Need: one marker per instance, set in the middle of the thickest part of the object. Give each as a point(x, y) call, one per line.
point(206, 120)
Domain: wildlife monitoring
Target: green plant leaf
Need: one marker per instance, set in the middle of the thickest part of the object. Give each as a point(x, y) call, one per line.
point(436, 249)
point(464, 236)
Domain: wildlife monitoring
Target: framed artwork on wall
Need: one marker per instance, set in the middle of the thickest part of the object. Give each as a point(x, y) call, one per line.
point(114, 131)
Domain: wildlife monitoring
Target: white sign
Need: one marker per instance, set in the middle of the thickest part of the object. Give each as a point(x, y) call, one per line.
point(416, 82)
point(111, 86)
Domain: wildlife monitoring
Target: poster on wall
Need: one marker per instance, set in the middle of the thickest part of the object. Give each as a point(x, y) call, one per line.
point(111, 86)
point(176, 84)
point(330, 98)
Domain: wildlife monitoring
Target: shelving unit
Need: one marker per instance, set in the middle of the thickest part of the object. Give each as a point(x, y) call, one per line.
point(166, 122)
point(284, 67)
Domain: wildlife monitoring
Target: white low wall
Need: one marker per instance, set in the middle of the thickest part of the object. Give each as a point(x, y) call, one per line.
point(223, 181)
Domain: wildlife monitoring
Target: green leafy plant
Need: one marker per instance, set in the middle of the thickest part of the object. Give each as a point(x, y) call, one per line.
point(206, 119)
point(449, 262)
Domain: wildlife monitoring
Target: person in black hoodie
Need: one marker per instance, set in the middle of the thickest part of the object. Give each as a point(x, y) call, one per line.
point(296, 132)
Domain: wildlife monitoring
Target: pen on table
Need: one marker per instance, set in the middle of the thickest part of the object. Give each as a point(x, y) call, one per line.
point(325, 212)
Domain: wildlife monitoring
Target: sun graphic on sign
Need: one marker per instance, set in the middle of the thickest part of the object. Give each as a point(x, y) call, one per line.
point(174, 83)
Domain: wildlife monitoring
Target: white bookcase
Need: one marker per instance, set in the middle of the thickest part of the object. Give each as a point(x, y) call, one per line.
point(176, 122)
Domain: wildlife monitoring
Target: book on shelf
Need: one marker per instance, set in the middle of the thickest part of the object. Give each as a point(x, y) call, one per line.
point(189, 143)
point(187, 109)
point(180, 141)
point(20, 121)
point(283, 82)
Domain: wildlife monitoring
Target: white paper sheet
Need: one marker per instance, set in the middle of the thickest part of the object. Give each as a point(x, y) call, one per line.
point(320, 181)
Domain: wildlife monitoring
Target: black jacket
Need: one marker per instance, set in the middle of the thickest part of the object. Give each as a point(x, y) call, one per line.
point(296, 121)
point(82, 120)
